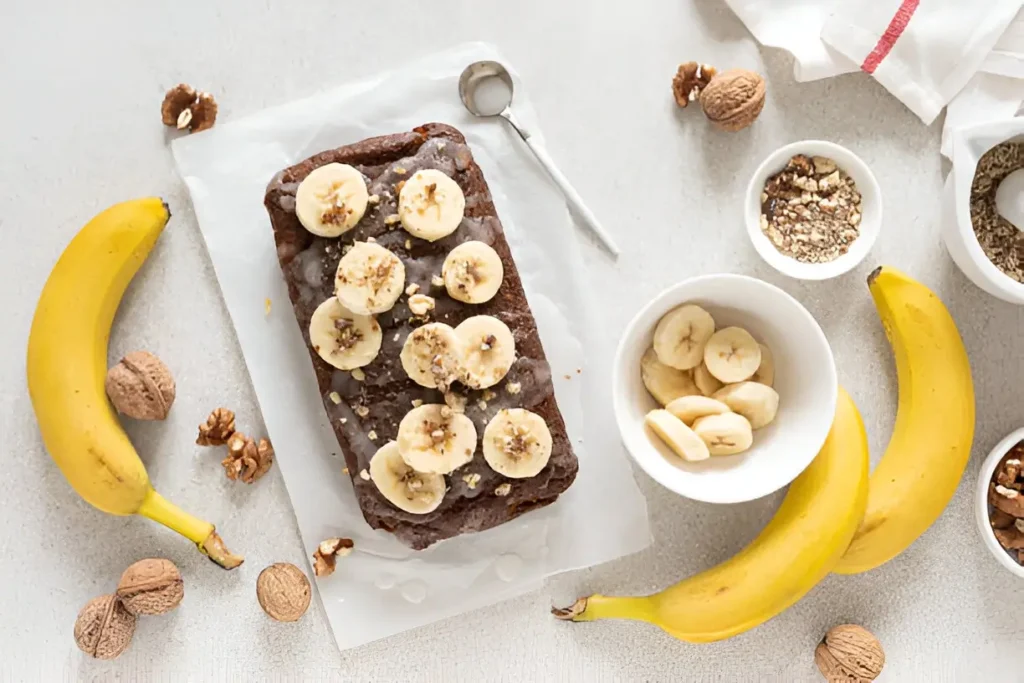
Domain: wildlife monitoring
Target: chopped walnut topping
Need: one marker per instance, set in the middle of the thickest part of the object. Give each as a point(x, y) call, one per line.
point(327, 553)
point(392, 219)
point(408, 245)
point(362, 411)
point(217, 429)
point(373, 199)
point(335, 397)
point(417, 402)
point(503, 489)
point(437, 281)
point(471, 479)
point(358, 375)
point(513, 387)
point(364, 475)
point(412, 289)
point(399, 170)
point(1006, 492)
point(372, 436)
point(421, 304)
point(488, 395)
point(481, 404)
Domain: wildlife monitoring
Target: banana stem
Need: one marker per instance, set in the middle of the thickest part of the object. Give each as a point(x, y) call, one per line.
point(597, 607)
point(159, 509)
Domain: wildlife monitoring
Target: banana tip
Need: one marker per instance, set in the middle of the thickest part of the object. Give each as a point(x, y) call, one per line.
point(874, 275)
point(571, 612)
point(167, 208)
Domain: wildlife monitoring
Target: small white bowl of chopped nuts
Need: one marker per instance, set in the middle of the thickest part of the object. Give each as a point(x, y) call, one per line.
point(999, 502)
point(813, 210)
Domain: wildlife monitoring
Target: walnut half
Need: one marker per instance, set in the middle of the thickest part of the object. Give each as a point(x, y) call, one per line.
point(690, 80)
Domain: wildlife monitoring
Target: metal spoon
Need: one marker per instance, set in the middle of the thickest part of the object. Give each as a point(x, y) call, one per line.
point(484, 74)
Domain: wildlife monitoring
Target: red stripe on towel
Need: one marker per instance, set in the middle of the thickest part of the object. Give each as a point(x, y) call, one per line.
point(892, 33)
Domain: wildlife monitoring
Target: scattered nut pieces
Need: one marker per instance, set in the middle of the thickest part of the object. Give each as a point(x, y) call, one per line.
point(364, 475)
point(690, 80)
point(503, 489)
point(513, 387)
point(184, 107)
point(358, 375)
point(151, 586)
point(436, 281)
point(373, 199)
point(412, 288)
point(733, 99)
point(327, 553)
point(372, 435)
point(471, 479)
point(283, 591)
point(362, 411)
point(104, 628)
point(849, 653)
point(417, 402)
point(141, 387)
point(810, 215)
point(392, 219)
point(421, 304)
point(217, 429)
point(246, 459)
point(335, 397)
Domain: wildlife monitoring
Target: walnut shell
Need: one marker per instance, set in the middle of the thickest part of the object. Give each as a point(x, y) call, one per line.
point(151, 586)
point(733, 99)
point(283, 591)
point(850, 653)
point(140, 386)
point(104, 628)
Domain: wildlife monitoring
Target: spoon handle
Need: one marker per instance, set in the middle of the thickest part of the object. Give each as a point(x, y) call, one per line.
point(572, 197)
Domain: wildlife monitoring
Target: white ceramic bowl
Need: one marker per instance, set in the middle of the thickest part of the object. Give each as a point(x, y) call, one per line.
point(871, 210)
point(805, 377)
point(957, 230)
point(981, 506)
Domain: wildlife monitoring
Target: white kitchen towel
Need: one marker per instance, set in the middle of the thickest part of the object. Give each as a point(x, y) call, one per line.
point(923, 53)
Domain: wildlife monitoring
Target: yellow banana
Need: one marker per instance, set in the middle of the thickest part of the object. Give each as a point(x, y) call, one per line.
point(67, 362)
point(798, 547)
point(931, 440)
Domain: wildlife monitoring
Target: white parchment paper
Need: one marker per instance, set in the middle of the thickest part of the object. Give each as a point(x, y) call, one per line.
point(384, 588)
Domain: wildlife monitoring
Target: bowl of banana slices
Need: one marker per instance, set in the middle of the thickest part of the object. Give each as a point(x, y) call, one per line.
point(724, 388)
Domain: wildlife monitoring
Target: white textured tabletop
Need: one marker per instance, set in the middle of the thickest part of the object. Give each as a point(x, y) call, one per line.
point(82, 85)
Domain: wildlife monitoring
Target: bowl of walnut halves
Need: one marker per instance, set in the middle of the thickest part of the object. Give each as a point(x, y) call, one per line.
point(999, 502)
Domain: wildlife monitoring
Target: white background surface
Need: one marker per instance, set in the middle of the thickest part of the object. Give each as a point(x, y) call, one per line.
point(82, 85)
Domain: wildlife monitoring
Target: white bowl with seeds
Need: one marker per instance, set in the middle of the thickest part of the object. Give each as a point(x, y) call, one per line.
point(986, 246)
point(813, 210)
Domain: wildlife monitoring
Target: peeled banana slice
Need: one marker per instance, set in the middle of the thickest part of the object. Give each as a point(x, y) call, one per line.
point(665, 384)
point(689, 408)
point(681, 334)
point(732, 355)
point(472, 272)
point(677, 436)
point(331, 199)
point(705, 381)
point(369, 279)
point(435, 439)
point(432, 356)
point(517, 443)
point(405, 488)
point(431, 205)
point(342, 338)
point(766, 370)
point(757, 402)
point(725, 434)
point(489, 349)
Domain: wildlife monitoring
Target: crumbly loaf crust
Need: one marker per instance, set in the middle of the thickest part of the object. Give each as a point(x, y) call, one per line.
point(378, 403)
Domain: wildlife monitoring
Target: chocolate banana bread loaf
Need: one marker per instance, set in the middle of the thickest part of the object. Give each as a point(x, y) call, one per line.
point(366, 404)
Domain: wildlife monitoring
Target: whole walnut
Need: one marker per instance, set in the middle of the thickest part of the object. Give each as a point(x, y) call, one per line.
point(850, 653)
point(141, 386)
point(151, 586)
point(733, 99)
point(104, 628)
